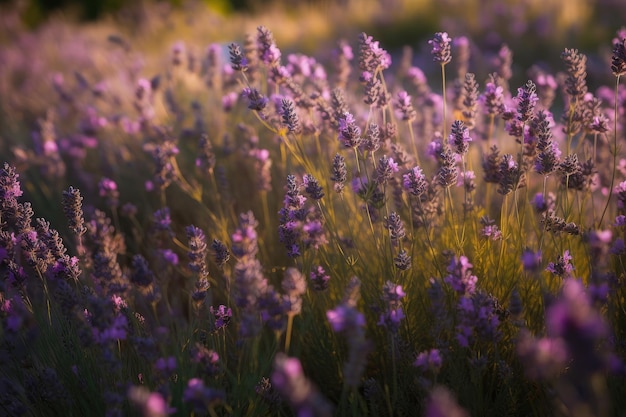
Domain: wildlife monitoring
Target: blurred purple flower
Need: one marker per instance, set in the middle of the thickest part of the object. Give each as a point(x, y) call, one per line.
point(429, 360)
point(289, 379)
point(200, 397)
point(460, 276)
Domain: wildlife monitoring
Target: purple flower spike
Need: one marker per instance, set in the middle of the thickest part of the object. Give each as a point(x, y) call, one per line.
point(349, 132)
point(440, 48)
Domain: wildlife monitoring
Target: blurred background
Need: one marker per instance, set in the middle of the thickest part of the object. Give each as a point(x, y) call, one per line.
point(44, 39)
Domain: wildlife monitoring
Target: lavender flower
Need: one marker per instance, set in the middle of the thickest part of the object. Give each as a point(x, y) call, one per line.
point(290, 117)
point(385, 169)
point(448, 173)
point(394, 224)
point(73, 210)
point(414, 182)
point(405, 107)
point(490, 230)
point(221, 253)
point(142, 276)
point(575, 83)
point(531, 260)
point(402, 261)
point(460, 276)
point(562, 267)
point(152, 404)
point(237, 60)
point(526, 101)
point(202, 398)
point(268, 51)
point(470, 100)
point(618, 59)
point(319, 278)
point(441, 48)
point(256, 100)
point(372, 57)
point(509, 175)
point(459, 137)
point(222, 315)
point(349, 132)
point(294, 286)
point(288, 378)
point(443, 404)
point(339, 173)
point(312, 187)
point(207, 359)
point(392, 314)
point(548, 156)
point(493, 97)
point(206, 157)
point(197, 250)
point(429, 361)
point(162, 221)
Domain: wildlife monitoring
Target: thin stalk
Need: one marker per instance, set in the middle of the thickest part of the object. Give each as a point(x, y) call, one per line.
point(613, 152)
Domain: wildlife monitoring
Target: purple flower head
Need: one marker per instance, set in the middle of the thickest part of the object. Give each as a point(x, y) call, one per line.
point(197, 250)
point(414, 182)
point(339, 173)
point(222, 316)
point(268, 51)
point(349, 132)
point(562, 267)
point(531, 260)
point(344, 317)
point(245, 236)
point(221, 254)
point(152, 404)
point(200, 397)
point(208, 359)
point(429, 360)
point(526, 101)
point(256, 100)
point(459, 137)
point(440, 48)
point(229, 100)
point(392, 314)
point(73, 210)
point(319, 278)
point(443, 404)
point(402, 261)
point(141, 276)
point(618, 59)
point(107, 188)
point(493, 97)
point(460, 276)
point(312, 187)
point(490, 229)
point(166, 366)
point(542, 358)
point(620, 220)
point(288, 378)
point(314, 234)
point(238, 61)
point(169, 256)
point(404, 106)
point(290, 117)
point(372, 57)
point(385, 169)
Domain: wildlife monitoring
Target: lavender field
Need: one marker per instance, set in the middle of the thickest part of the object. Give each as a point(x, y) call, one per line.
point(382, 216)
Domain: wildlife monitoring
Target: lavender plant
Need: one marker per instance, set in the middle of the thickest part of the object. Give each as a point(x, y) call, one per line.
point(229, 260)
